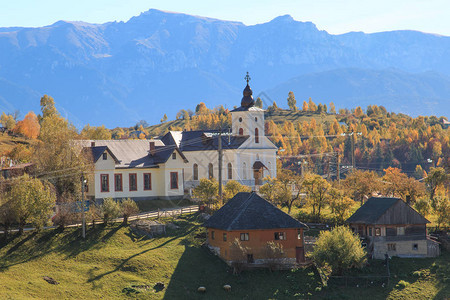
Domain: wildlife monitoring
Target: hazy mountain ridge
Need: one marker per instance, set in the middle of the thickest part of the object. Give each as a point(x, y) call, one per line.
point(120, 72)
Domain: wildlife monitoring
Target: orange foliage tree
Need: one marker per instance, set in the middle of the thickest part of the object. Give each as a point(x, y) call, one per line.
point(29, 126)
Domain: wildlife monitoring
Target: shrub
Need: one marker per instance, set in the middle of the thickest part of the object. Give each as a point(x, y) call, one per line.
point(340, 249)
point(128, 208)
point(402, 284)
point(109, 210)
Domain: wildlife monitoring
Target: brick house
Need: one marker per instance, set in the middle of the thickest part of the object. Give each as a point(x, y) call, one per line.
point(392, 227)
point(254, 222)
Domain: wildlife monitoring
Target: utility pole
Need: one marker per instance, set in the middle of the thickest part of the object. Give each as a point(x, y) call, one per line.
point(82, 207)
point(353, 150)
point(338, 169)
point(219, 148)
point(329, 159)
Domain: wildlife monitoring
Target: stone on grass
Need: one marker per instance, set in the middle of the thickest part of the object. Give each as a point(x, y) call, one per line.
point(201, 289)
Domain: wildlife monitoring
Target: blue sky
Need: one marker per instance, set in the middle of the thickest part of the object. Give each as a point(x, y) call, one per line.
point(334, 16)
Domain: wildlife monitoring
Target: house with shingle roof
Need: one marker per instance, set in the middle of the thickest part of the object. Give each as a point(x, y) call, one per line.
point(254, 222)
point(392, 227)
point(139, 169)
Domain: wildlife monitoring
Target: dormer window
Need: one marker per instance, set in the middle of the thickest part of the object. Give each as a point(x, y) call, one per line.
point(174, 155)
point(105, 156)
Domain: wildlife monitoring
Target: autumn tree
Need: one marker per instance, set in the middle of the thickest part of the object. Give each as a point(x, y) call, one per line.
point(332, 108)
point(312, 107)
point(292, 103)
point(340, 249)
point(340, 204)
point(361, 183)
point(269, 189)
point(32, 201)
point(96, 133)
point(232, 187)
point(441, 208)
point(164, 119)
point(305, 106)
point(316, 189)
point(259, 103)
point(435, 179)
point(29, 126)
point(207, 191)
point(288, 189)
point(8, 121)
point(57, 156)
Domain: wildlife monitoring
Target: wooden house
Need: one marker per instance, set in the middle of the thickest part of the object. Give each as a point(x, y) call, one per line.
point(392, 227)
point(254, 222)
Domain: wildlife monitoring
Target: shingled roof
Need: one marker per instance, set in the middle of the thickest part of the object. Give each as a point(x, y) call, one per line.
point(132, 153)
point(250, 211)
point(386, 211)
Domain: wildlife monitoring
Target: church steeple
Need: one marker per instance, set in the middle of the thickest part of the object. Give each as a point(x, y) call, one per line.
point(247, 99)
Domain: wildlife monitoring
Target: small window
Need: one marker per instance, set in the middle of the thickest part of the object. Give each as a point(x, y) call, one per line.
point(241, 131)
point(415, 247)
point(174, 180)
point(256, 135)
point(105, 156)
point(86, 187)
point(224, 237)
point(256, 119)
point(244, 236)
point(174, 155)
point(195, 171)
point(132, 182)
point(299, 234)
point(377, 231)
point(210, 171)
point(370, 231)
point(280, 235)
point(147, 181)
point(213, 235)
point(118, 182)
point(230, 171)
point(391, 247)
point(104, 178)
point(240, 119)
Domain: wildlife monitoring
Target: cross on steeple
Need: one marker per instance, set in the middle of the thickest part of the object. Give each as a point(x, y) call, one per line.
point(247, 77)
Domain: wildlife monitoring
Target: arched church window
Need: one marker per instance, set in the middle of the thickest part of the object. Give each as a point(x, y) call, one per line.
point(210, 171)
point(241, 131)
point(195, 171)
point(256, 135)
point(230, 171)
point(256, 119)
point(240, 119)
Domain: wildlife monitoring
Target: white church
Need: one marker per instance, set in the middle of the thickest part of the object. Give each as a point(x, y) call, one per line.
point(167, 168)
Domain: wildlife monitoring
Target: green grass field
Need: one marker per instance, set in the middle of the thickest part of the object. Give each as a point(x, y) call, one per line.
point(114, 263)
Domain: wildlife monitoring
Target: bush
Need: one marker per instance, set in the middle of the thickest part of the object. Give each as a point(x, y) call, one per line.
point(109, 210)
point(402, 284)
point(128, 208)
point(340, 249)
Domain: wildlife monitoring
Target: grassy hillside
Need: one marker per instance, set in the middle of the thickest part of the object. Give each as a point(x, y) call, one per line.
point(114, 263)
point(7, 142)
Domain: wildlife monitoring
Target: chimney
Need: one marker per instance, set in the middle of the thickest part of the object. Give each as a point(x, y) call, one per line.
point(92, 144)
point(152, 148)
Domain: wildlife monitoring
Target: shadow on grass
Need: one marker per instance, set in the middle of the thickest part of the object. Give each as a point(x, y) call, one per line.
point(176, 236)
point(198, 267)
point(33, 245)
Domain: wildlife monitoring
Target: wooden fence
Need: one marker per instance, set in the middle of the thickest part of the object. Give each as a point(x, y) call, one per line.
point(162, 213)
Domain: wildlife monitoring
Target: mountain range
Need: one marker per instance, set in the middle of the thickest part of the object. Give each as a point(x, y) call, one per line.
point(118, 73)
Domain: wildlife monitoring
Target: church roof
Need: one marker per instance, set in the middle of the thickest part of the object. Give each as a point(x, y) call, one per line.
point(250, 211)
point(198, 140)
